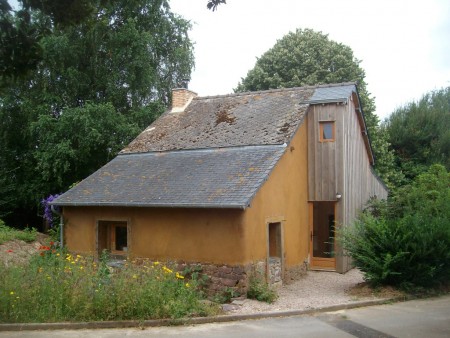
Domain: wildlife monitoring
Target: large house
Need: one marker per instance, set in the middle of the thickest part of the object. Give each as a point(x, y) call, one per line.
point(232, 183)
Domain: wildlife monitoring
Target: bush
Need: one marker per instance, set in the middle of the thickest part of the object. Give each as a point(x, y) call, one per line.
point(260, 290)
point(59, 286)
point(406, 242)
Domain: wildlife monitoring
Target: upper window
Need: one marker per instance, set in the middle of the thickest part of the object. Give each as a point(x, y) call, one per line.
point(326, 131)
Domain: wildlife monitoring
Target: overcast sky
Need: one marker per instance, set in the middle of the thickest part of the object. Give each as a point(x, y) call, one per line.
point(404, 45)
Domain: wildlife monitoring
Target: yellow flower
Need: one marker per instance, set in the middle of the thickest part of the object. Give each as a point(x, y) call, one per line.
point(58, 254)
point(40, 270)
point(179, 276)
point(166, 269)
point(135, 276)
point(78, 256)
point(155, 263)
point(187, 285)
point(11, 293)
point(81, 268)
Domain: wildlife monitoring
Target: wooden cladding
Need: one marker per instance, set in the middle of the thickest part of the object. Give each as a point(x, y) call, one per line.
point(323, 131)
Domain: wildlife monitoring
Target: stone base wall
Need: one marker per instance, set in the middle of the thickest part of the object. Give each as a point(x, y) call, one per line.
point(294, 273)
point(215, 279)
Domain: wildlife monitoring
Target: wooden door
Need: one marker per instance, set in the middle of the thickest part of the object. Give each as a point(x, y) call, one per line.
point(322, 239)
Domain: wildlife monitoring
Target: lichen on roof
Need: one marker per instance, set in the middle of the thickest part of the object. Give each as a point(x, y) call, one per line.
point(255, 118)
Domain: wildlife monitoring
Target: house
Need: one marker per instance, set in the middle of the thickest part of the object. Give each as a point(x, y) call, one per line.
point(232, 183)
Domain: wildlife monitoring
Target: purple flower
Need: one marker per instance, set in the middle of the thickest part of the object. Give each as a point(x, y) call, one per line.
point(48, 214)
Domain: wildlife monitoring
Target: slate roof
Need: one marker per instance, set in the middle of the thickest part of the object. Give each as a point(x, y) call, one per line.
point(215, 154)
point(325, 94)
point(207, 178)
point(255, 118)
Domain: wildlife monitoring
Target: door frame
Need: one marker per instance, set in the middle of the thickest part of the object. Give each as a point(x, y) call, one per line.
point(320, 263)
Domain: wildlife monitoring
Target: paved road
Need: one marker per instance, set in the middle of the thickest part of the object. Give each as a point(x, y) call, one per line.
point(419, 318)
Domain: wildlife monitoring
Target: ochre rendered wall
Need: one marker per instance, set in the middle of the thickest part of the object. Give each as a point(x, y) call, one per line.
point(283, 198)
point(205, 235)
point(217, 236)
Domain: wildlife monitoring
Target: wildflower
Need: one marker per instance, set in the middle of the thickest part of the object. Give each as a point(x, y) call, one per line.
point(52, 243)
point(96, 290)
point(78, 257)
point(155, 263)
point(11, 293)
point(167, 270)
point(40, 269)
point(179, 276)
point(9, 251)
point(81, 268)
point(135, 276)
point(57, 255)
point(187, 285)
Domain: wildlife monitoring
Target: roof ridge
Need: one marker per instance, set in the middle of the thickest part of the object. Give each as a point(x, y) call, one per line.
point(239, 147)
point(276, 90)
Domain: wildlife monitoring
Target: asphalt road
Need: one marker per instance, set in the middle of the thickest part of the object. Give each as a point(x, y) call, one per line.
point(418, 318)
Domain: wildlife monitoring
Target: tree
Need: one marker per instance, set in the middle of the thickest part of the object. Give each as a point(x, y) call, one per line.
point(21, 31)
point(306, 57)
point(420, 133)
point(96, 86)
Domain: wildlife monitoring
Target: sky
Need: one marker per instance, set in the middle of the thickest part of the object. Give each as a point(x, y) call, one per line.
point(404, 46)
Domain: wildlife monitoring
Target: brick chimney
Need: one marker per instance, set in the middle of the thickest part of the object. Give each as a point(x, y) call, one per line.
point(181, 97)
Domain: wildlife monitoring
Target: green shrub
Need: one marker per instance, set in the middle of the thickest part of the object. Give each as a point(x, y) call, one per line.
point(260, 290)
point(9, 234)
point(58, 286)
point(406, 242)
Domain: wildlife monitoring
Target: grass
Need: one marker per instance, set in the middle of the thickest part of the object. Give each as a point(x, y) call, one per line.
point(9, 234)
point(57, 286)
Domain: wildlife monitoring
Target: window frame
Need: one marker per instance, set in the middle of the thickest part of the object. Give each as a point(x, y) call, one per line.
point(322, 124)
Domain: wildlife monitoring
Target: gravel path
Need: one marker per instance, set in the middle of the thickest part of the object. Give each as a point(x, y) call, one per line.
point(316, 289)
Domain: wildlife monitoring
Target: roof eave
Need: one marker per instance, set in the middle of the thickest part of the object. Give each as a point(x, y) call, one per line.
point(152, 205)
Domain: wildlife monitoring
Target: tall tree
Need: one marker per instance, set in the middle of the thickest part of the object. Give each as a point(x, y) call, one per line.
point(307, 57)
point(420, 133)
point(98, 83)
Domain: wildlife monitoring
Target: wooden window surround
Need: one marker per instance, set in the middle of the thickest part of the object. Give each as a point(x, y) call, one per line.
point(113, 237)
point(326, 131)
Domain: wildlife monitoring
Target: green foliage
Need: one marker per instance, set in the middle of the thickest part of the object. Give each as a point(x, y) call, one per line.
point(96, 85)
point(306, 57)
point(419, 133)
point(406, 241)
point(58, 286)
point(260, 290)
point(9, 234)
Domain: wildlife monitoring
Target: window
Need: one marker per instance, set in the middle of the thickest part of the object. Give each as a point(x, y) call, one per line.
point(275, 240)
point(326, 131)
point(113, 237)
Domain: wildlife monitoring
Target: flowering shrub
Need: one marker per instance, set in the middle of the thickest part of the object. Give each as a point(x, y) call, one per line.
point(48, 214)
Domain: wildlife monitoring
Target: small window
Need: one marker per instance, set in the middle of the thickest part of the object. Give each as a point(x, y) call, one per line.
point(327, 131)
point(275, 240)
point(113, 237)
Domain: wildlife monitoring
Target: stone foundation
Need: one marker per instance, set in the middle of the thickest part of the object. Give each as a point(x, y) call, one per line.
point(215, 279)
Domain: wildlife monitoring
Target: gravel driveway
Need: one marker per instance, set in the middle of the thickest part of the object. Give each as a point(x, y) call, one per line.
point(316, 289)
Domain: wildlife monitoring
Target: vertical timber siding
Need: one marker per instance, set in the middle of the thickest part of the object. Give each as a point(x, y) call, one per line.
point(343, 166)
